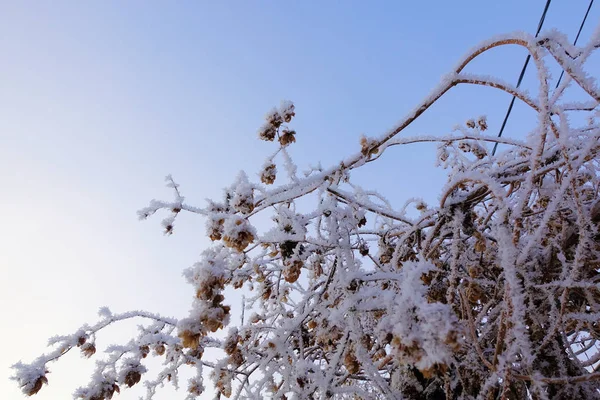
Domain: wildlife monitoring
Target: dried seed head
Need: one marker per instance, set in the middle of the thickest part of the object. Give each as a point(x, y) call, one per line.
point(37, 385)
point(214, 228)
point(368, 147)
point(351, 362)
point(287, 137)
point(482, 123)
point(236, 358)
point(479, 151)
point(268, 174)
point(443, 154)
point(267, 132)
point(421, 205)
point(189, 339)
point(223, 383)
point(132, 377)
point(274, 118)
point(238, 233)
point(266, 292)
point(474, 292)
point(287, 110)
point(88, 350)
point(363, 249)
point(144, 351)
point(292, 271)
point(196, 353)
point(159, 349)
point(480, 245)
point(243, 203)
point(473, 147)
point(195, 387)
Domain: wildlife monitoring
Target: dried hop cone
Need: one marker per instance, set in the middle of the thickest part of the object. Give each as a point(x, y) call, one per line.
point(223, 383)
point(442, 153)
point(243, 202)
point(482, 123)
point(144, 351)
point(267, 132)
point(189, 339)
point(268, 174)
point(368, 147)
point(131, 373)
point(287, 110)
point(351, 362)
point(195, 387)
point(363, 249)
point(88, 349)
point(159, 349)
point(274, 118)
point(132, 377)
point(238, 233)
point(214, 228)
point(37, 385)
point(292, 271)
point(421, 205)
point(287, 137)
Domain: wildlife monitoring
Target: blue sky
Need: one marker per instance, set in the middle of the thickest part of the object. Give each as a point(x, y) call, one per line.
point(100, 100)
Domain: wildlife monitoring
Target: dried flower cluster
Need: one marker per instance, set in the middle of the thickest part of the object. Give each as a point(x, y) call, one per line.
point(273, 125)
point(492, 293)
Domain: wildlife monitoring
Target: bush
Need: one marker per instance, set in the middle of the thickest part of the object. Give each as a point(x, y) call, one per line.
point(493, 293)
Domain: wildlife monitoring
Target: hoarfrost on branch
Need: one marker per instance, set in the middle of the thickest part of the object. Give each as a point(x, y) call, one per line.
point(492, 293)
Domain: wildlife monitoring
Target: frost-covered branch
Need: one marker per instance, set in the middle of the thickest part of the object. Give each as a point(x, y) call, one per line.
point(492, 293)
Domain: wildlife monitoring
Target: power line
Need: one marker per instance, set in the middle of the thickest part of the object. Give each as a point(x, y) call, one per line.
point(521, 75)
point(576, 38)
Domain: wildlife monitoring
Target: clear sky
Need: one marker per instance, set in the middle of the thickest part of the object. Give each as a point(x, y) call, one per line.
point(100, 100)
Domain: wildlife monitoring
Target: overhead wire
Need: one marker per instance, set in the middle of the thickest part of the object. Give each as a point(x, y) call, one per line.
point(577, 37)
point(521, 75)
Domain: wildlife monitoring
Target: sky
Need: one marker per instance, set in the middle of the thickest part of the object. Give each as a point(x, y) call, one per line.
point(100, 100)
